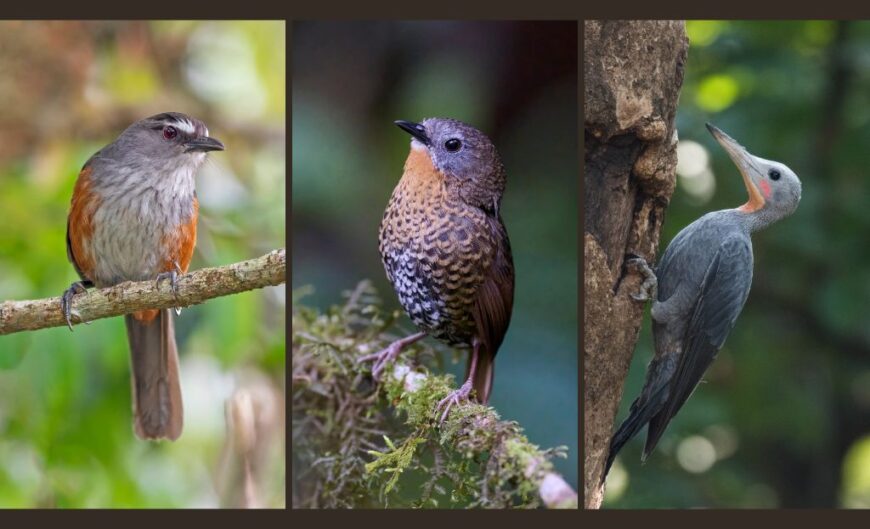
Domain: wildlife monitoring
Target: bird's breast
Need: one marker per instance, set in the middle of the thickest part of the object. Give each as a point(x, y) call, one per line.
point(436, 250)
point(140, 227)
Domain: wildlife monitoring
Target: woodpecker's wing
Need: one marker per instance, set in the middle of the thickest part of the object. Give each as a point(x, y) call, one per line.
point(723, 292)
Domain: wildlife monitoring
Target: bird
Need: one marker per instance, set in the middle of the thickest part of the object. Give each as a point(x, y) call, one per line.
point(133, 217)
point(698, 290)
point(446, 251)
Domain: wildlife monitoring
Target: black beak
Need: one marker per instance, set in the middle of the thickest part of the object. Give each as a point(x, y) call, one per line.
point(203, 144)
point(414, 129)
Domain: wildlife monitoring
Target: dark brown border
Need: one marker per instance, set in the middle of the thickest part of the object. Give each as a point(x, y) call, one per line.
point(445, 9)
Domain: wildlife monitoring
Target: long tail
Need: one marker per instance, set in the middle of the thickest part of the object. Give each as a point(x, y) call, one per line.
point(627, 430)
point(483, 374)
point(643, 410)
point(157, 403)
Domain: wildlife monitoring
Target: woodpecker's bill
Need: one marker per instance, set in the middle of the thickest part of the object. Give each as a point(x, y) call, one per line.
point(702, 282)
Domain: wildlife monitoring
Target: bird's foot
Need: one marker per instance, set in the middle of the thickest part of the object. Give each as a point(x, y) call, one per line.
point(650, 283)
point(172, 276)
point(385, 356)
point(452, 399)
point(66, 301)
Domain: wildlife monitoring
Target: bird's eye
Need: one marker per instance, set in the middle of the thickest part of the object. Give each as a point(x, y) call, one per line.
point(773, 174)
point(170, 133)
point(452, 145)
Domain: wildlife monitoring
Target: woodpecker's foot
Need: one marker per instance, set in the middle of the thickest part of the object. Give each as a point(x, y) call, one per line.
point(385, 356)
point(172, 276)
point(66, 300)
point(650, 282)
point(454, 398)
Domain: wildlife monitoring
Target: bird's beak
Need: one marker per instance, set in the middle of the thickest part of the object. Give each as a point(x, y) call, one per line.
point(745, 162)
point(203, 144)
point(416, 130)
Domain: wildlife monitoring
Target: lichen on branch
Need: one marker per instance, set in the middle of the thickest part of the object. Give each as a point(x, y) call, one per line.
point(193, 288)
point(358, 443)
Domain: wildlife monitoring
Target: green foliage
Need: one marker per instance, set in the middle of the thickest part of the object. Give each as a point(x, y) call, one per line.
point(356, 444)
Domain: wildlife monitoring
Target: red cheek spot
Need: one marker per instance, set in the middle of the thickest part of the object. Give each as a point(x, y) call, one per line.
point(765, 188)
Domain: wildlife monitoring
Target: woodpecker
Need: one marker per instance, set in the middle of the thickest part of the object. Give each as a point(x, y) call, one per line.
point(698, 290)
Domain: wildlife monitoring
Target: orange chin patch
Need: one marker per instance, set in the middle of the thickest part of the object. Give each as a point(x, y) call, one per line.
point(756, 201)
point(419, 169)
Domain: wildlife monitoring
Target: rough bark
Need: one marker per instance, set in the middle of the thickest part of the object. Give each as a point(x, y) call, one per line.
point(125, 298)
point(633, 72)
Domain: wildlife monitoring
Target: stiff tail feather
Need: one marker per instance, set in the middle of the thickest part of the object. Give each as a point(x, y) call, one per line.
point(157, 405)
point(639, 415)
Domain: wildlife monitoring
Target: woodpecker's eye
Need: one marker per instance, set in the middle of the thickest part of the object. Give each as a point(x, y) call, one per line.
point(452, 145)
point(773, 174)
point(170, 133)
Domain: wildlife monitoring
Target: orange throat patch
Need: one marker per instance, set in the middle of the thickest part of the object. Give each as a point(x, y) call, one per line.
point(756, 200)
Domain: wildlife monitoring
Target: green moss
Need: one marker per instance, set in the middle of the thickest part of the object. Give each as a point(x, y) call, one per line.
point(357, 443)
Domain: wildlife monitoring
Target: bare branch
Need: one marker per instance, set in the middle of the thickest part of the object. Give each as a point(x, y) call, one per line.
point(193, 289)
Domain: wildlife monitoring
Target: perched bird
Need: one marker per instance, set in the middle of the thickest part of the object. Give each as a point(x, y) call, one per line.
point(133, 218)
point(702, 282)
point(446, 251)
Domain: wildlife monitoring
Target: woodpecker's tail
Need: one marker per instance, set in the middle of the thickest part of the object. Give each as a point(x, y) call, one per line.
point(643, 410)
point(156, 389)
point(627, 430)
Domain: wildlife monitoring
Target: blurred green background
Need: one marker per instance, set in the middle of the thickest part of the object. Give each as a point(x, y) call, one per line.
point(517, 82)
point(66, 89)
point(783, 419)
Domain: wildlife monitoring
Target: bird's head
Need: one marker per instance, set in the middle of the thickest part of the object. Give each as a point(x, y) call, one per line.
point(171, 139)
point(465, 156)
point(774, 189)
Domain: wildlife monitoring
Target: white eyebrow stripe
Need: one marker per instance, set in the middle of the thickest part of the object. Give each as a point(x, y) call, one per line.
point(186, 126)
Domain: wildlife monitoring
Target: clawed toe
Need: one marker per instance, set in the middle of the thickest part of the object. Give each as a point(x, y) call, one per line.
point(382, 359)
point(385, 356)
point(452, 399)
point(649, 285)
point(172, 276)
point(66, 302)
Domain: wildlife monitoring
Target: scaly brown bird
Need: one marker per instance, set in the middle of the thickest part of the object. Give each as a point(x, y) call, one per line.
point(446, 251)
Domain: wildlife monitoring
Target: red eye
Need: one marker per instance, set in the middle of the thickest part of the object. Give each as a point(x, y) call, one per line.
point(169, 133)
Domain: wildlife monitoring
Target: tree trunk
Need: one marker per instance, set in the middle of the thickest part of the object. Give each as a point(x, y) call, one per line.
point(633, 72)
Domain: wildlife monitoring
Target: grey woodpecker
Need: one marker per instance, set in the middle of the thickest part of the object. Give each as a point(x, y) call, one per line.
point(698, 290)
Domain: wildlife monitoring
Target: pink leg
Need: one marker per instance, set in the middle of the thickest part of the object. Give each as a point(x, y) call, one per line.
point(385, 356)
point(455, 397)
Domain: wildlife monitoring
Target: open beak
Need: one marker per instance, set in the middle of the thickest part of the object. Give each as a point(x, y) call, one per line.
point(744, 162)
point(416, 130)
point(203, 144)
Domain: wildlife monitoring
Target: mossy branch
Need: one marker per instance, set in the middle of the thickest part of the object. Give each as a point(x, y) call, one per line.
point(193, 288)
point(350, 451)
